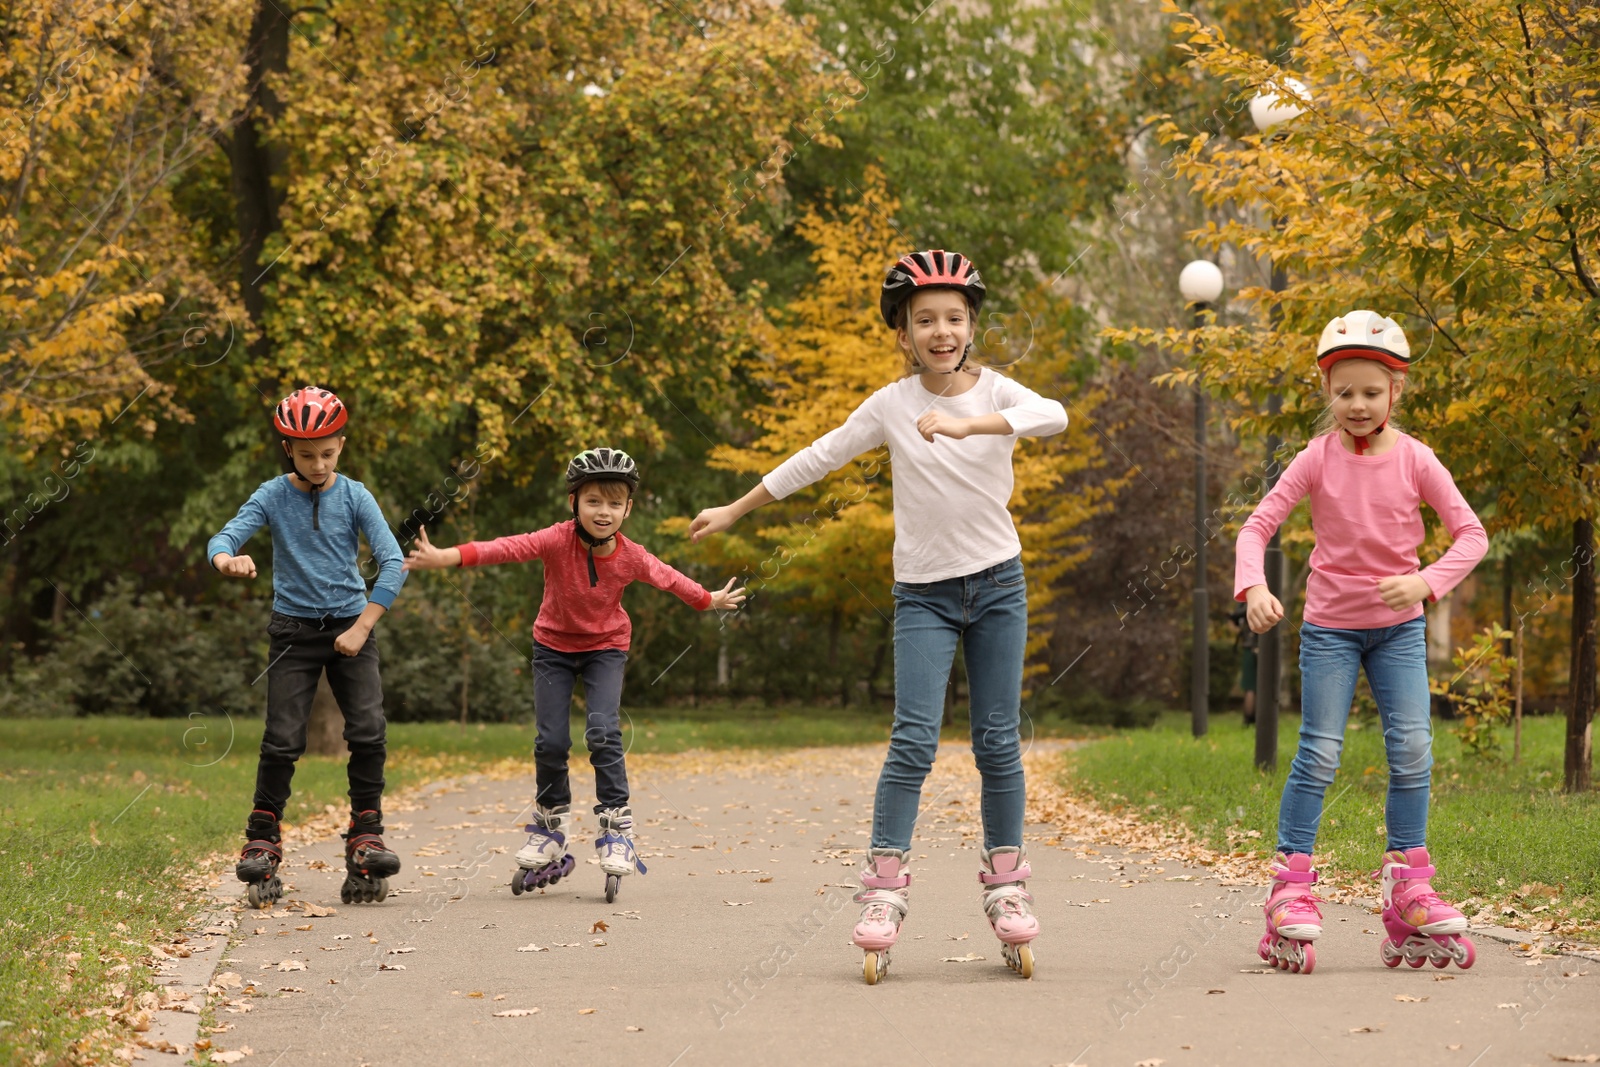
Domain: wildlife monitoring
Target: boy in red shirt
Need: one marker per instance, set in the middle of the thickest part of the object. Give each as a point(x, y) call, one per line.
point(581, 632)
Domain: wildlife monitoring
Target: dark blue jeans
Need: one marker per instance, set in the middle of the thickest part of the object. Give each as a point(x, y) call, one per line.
point(555, 674)
point(301, 650)
point(988, 611)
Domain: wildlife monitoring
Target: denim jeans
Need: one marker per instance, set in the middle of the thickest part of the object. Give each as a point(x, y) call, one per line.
point(300, 651)
point(1396, 662)
point(988, 610)
point(554, 676)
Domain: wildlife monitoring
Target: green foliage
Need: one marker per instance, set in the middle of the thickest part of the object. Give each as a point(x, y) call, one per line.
point(1088, 707)
point(1481, 690)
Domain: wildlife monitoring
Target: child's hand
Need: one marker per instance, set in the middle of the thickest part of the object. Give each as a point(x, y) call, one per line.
point(425, 557)
point(1261, 609)
point(1403, 590)
point(710, 521)
point(234, 566)
point(727, 598)
point(938, 422)
point(353, 640)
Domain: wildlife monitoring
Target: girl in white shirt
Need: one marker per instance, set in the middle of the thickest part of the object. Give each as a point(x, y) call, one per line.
point(951, 427)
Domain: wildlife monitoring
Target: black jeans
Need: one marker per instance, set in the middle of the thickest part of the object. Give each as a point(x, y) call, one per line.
point(301, 650)
point(554, 675)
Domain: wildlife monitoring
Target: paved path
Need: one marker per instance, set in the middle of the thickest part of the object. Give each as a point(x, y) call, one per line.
point(735, 949)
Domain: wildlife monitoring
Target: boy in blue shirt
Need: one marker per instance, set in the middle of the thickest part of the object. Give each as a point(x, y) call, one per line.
point(322, 619)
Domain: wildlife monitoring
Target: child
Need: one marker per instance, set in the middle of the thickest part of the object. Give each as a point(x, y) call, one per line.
point(322, 619)
point(581, 631)
point(1363, 610)
point(951, 429)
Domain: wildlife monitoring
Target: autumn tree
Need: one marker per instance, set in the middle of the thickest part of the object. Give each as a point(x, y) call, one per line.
point(1442, 174)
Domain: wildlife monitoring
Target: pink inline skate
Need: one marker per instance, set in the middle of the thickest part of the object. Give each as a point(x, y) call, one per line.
point(885, 889)
point(1006, 901)
point(1293, 919)
point(1421, 926)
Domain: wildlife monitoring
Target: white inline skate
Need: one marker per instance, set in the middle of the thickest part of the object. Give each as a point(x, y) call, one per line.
point(884, 900)
point(1008, 905)
point(544, 860)
point(618, 856)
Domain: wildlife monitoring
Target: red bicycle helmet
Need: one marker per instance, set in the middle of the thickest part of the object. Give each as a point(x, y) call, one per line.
point(310, 413)
point(933, 269)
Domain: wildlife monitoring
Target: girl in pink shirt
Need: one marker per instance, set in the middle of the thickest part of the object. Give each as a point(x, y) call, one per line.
point(582, 632)
point(1366, 481)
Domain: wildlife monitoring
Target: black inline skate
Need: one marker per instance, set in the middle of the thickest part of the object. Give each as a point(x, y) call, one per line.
point(368, 863)
point(258, 863)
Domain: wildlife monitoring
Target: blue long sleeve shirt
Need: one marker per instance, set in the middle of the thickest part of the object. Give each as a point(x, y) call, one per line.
point(316, 572)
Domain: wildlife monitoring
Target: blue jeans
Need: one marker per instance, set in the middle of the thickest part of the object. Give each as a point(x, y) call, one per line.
point(1396, 662)
point(989, 611)
point(555, 674)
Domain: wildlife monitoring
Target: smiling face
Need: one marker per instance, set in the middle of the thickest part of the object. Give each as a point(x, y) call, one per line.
point(601, 507)
point(936, 330)
point(1361, 393)
point(315, 461)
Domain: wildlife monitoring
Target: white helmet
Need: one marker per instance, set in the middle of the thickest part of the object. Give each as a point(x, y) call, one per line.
point(1363, 335)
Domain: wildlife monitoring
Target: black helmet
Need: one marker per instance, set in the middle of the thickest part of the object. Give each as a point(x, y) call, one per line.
point(602, 464)
point(934, 269)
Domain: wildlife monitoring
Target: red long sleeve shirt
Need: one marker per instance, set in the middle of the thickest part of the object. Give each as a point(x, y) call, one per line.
point(575, 617)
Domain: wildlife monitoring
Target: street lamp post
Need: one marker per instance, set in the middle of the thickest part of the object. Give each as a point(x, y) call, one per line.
point(1271, 108)
point(1201, 285)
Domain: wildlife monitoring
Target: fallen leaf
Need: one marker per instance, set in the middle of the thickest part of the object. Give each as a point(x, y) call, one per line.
point(228, 980)
point(341, 937)
point(1210, 991)
point(260, 930)
point(957, 937)
point(635, 1029)
point(1149, 1063)
point(971, 957)
point(1593, 1057)
point(290, 989)
point(598, 942)
point(737, 903)
point(1512, 1006)
point(531, 947)
point(233, 1055)
point(400, 951)
point(499, 996)
point(391, 966)
point(307, 926)
point(1444, 978)
point(1407, 998)
point(599, 927)
point(312, 911)
point(1366, 1029)
point(291, 965)
point(514, 1013)
point(587, 1011)
point(476, 994)
point(1453, 1048)
point(768, 878)
point(1255, 970)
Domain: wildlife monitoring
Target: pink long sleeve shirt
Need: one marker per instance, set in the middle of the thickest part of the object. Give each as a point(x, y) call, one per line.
point(1368, 521)
point(575, 617)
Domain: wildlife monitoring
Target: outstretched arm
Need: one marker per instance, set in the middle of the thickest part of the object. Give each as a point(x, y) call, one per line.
point(717, 520)
point(425, 557)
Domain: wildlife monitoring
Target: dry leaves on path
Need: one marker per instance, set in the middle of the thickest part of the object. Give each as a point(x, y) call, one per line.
point(1407, 998)
point(599, 927)
point(514, 1013)
point(971, 957)
point(1593, 1057)
point(531, 947)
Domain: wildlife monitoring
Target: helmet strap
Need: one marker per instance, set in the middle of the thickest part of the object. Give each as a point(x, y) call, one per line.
point(592, 542)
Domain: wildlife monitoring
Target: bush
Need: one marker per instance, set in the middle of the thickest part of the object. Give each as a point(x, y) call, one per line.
point(1092, 708)
point(145, 654)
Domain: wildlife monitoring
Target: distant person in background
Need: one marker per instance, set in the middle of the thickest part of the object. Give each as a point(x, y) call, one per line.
point(1247, 641)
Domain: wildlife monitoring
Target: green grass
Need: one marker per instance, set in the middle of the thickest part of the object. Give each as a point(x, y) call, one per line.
point(1501, 833)
point(105, 818)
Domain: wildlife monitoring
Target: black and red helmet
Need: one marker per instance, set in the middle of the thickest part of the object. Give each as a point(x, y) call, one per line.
point(933, 269)
point(310, 413)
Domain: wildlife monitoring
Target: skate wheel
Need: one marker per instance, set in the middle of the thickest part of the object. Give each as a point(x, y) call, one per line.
point(873, 966)
point(254, 893)
point(1024, 965)
point(613, 883)
point(1440, 962)
point(383, 889)
point(1310, 953)
point(516, 883)
point(345, 895)
point(1390, 955)
point(1468, 955)
point(1416, 961)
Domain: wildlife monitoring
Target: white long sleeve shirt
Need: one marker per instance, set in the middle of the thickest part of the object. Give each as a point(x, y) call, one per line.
point(950, 497)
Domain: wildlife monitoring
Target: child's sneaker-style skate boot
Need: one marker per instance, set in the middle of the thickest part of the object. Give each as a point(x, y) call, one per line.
point(618, 856)
point(884, 900)
point(368, 861)
point(1009, 906)
point(1293, 919)
point(1421, 926)
point(544, 860)
point(258, 863)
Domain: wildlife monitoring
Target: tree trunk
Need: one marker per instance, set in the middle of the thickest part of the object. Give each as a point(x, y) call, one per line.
point(1580, 710)
point(325, 733)
point(1516, 731)
point(254, 164)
